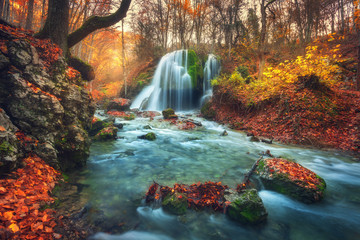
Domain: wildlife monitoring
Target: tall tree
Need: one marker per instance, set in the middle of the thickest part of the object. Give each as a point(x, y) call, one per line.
point(1, 7)
point(262, 42)
point(57, 22)
point(30, 15)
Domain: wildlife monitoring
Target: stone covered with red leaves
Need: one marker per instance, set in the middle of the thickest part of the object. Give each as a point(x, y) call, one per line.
point(45, 99)
point(245, 207)
point(291, 179)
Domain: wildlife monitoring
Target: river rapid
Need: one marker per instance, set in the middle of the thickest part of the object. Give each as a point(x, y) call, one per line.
point(119, 173)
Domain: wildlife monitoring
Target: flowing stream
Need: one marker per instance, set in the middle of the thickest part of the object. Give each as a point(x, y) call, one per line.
point(119, 173)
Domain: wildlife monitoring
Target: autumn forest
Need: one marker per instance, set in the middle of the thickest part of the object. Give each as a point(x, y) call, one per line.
point(179, 119)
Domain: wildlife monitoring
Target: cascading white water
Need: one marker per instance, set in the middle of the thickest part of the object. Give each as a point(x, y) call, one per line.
point(211, 71)
point(170, 87)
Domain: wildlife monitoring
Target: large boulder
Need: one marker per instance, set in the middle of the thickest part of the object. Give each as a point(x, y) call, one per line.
point(119, 104)
point(245, 207)
point(98, 124)
point(9, 147)
point(108, 133)
point(175, 203)
point(291, 179)
point(46, 104)
point(169, 114)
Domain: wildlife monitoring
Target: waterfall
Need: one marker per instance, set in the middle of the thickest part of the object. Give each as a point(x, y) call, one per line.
point(211, 71)
point(171, 85)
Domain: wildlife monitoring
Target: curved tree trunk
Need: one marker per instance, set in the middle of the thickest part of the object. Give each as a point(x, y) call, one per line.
point(96, 22)
point(57, 29)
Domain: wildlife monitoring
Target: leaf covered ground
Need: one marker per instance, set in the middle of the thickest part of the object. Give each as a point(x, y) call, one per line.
point(22, 197)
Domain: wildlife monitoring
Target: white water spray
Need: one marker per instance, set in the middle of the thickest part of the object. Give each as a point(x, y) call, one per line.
point(170, 87)
point(211, 71)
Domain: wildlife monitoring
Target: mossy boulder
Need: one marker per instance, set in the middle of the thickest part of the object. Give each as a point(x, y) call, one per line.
point(169, 113)
point(175, 203)
point(245, 207)
point(108, 133)
point(292, 179)
point(149, 136)
point(207, 111)
point(98, 124)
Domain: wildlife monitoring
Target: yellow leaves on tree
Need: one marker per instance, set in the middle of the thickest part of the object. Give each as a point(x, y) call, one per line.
point(21, 198)
point(277, 79)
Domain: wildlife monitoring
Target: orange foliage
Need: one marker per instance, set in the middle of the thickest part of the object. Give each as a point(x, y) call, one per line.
point(72, 73)
point(199, 195)
point(37, 89)
point(297, 173)
point(48, 51)
point(22, 196)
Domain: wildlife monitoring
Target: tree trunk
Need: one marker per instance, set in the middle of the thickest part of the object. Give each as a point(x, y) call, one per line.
point(262, 40)
point(97, 22)
point(6, 11)
point(123, 56)
point(56, 25)
point(358, 66)
point(43, 13)
point(30, 15)
point(342, 26)
point(1, 7)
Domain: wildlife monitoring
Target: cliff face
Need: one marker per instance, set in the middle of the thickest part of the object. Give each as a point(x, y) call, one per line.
point(45, 108)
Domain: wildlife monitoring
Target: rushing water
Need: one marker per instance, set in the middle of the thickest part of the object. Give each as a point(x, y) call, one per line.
point(119, 173)
point(211, 71)
point(171, 85)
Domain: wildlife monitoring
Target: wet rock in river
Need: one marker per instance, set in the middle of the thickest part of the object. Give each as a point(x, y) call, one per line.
point(108, 133)
point(175, 203)
point(97, 125)
point(169, 114)
point(224, 133)
point(149, 136)
point(147, 127)
point(245, 207)
point(254, 139)
point(291, 179)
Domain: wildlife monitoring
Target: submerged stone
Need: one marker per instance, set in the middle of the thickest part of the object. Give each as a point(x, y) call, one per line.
point(246, 207)
point(175, 203)
point(291, 179)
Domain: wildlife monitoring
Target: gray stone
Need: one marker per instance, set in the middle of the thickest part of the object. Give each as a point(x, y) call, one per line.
point(9, 147)
point(20, 53)
point(4, 62)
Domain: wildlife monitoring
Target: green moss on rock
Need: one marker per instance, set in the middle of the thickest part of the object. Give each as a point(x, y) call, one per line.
point(108, 133)
point(175, 203)
point(293, 186)
point(6, 148)
point(247, 208)
point(168, 113)
point(149, 136)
